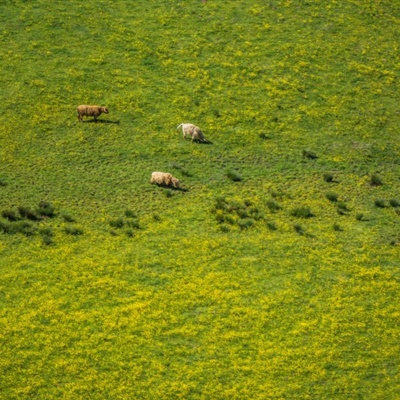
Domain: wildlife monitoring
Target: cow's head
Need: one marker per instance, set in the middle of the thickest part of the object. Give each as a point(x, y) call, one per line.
point(104, 110)
point(175, 182)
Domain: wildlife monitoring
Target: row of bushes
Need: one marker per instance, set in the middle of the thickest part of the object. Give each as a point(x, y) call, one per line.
point(28, 222)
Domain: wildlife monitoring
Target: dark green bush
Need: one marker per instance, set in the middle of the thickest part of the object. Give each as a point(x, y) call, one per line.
point(47, 240)
point(342, 206)
point(245, 223)
point(11, 215)
point(333, 197)
point(45, 209)
point(28, 213)
point(394, 203)
point(24, 227)
point(117, 223)
point(271, 226)
point(273, 206)
point(380, 203)
point(328, 177)
point(130, 214)
point(224, 228)
point(337, 228)
point(67, 218)
point(302, 212)
point(376, 180)
point(299, 229)
point(71, 230)
point(360, 217)
point(134, 224)
point(233, 175)
point(309, 154)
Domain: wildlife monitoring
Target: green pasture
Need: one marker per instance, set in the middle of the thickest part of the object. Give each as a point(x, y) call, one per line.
point(273, 273)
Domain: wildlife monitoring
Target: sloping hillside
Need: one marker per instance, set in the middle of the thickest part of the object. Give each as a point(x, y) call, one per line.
point(273, 273)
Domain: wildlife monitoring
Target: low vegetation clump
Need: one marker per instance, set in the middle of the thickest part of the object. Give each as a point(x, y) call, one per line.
point(328, 177)
point(309, 154)
point(241, 213)
point(233, 175)
point(302, 212)
point(376, 180)
point(333, 197)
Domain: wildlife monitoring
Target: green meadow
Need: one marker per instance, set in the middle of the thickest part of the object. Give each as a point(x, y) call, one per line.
point(273, 273)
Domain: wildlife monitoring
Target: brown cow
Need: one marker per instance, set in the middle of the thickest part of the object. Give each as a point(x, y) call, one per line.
point(90, 111)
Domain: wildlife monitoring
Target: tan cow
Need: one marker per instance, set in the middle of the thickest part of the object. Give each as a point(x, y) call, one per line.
point(90, 111)
point(193, 131)
point(164, 179)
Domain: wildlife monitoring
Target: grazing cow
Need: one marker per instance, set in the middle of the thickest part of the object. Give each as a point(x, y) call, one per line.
point(90, 111)
point(193, 131)
point(164, 179)
point(187, 129)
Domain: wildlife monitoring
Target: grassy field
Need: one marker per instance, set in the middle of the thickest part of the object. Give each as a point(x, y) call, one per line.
point(273, 274)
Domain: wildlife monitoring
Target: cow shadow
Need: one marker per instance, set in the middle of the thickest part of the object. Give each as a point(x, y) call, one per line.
point(101, 121)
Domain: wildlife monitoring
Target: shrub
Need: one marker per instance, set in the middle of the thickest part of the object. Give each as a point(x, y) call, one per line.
point(333, 197)
point(273, 206)
point(360, 217)
point(255, 213)
point(328, 177)
point(11, 215)
point(299, 229)
point(24, 227)
point(342, 206)
point(130, 233)
point(70, 230)
point(233, 175)
point(394, 203)
point(168, 193)
point(26, 212)
point(133, 224)
point(68, 218)
point(117, 223)
point(376, 180)
point(47, 240)
point(309, 154)
point(271, 226)
point(224, 228)
point(337, 228)
point(130, 214)
point(380, 203)
point(156, 217)
point(45, 209)
point(264, 136)
point(3, 182)
point(46, 232)
point(245, 223)
point(302, 212)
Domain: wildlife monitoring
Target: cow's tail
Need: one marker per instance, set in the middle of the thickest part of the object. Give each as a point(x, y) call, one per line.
point(179, 126)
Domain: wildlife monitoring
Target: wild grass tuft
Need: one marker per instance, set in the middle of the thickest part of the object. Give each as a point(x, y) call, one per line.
point(73, 231)
point(28, 213)
point(45, 209)
point(328, 177)
point(394, 203)
point(302, 212)
point(233, 175)
point(309, 154)
point(10, 215)
point(376, 180)
point(380, 203)
point(273, 206)
point(333, 197)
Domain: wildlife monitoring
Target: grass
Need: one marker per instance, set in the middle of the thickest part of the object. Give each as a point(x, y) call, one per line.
point(215, 291)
